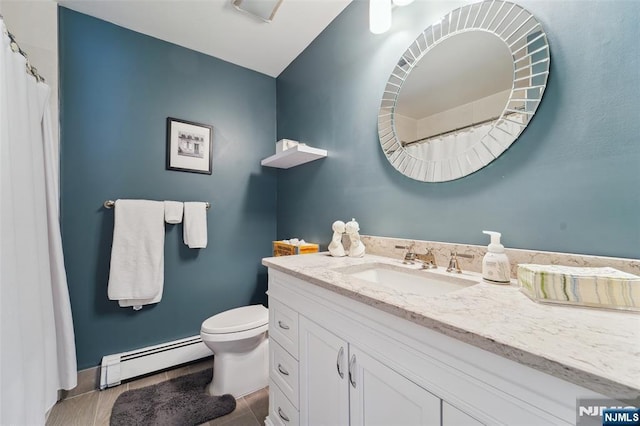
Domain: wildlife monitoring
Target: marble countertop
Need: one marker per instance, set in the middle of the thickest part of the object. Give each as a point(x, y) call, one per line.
point(593, 348)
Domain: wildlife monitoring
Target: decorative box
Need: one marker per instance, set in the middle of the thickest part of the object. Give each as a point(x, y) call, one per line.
point(284, 249)
point(605, 287)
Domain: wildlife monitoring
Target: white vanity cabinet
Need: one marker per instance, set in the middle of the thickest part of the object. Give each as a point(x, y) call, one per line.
point(283, 365)
point(353, 364)
point(342, 385)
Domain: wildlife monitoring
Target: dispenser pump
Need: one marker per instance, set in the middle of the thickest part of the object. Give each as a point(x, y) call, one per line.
point(495, 264)
point(495, 246)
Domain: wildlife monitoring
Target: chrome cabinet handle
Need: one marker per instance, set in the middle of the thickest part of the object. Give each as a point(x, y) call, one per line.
point(282, 415)
point(282, 370)
point(283, 325)
point(352, 373)
point(339, 362)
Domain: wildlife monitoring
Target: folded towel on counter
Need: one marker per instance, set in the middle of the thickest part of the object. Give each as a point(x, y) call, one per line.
point(588, 286)
point(195, 224)
point(173, 211)
point(136, 275)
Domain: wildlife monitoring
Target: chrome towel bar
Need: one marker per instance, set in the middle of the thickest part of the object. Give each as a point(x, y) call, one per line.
point(109, 204)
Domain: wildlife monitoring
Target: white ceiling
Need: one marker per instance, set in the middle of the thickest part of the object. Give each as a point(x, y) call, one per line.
point(461, 69)
point(216, 28)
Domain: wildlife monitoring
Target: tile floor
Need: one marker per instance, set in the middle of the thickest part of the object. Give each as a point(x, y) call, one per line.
point(94, 408)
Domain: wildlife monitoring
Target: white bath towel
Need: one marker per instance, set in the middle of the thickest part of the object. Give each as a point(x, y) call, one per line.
point(195, 224)
point(136, 304)
point(136, 275)
point(173, 211)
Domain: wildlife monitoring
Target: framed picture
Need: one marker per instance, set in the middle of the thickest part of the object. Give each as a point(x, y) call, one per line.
point(189, 146)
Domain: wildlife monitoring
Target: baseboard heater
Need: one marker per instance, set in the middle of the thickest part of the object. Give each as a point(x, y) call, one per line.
point(126, 365)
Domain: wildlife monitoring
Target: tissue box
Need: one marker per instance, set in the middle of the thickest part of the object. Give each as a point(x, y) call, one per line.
point(593, 287)
point(284, 249)
point(285, 144)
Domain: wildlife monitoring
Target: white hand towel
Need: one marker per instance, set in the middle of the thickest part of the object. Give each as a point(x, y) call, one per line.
point(136, 275)
point(195, 224)
point(173, 211)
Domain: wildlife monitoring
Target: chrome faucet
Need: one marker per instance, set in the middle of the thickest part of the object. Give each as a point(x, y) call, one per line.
point(454, 264)
point(410, 255)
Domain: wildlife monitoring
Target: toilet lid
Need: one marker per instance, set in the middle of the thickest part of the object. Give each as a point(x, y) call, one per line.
point(238, 319)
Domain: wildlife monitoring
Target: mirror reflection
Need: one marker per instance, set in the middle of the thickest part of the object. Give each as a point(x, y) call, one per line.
point(463, 91)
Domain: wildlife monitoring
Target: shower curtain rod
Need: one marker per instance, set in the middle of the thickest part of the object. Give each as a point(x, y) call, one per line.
point(489, 120)
point(16, 48)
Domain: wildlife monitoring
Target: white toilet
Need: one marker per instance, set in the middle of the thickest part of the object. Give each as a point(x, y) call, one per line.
point(239, 342)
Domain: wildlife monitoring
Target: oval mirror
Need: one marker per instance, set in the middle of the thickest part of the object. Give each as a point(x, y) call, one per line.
point(463, 91)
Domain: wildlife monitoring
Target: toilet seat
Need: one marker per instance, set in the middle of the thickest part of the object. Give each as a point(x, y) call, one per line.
point(237, 320)
point(233, 337)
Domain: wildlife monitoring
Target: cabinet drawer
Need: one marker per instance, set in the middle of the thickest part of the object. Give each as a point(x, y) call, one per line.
point(281, 410)
point(283, 369)
point(283, 326)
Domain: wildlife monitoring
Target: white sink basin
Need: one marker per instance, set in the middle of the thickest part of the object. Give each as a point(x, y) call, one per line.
point(405, 280)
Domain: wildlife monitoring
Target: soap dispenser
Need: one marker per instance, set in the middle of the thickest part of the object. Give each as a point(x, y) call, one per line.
point(495, 264)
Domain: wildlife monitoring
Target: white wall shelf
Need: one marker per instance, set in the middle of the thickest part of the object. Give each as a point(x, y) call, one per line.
point(294, 156)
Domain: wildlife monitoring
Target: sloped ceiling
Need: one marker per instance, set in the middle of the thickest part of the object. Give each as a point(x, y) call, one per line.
point(216, 28)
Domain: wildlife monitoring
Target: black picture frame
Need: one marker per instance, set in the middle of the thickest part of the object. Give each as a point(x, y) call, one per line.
point(189, 146)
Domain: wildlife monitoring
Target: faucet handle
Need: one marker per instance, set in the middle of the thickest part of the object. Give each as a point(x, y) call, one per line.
point(454, 264)
point(465, 255)
point(409, 247)
point(409, 256)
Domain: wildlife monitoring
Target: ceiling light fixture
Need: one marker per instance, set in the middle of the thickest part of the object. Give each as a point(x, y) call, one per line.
point(402, 2)
point(380, 14)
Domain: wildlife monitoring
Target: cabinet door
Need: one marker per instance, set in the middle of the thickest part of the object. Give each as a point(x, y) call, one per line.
point(381, 396)
point(451, 416)
point(324, 387)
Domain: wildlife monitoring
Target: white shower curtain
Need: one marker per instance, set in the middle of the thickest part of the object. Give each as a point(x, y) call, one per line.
point(450, 145)
point(37, 349)
point(454, 144)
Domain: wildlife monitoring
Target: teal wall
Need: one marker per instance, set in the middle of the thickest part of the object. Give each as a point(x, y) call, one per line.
point(117, 89)
point(569, 183)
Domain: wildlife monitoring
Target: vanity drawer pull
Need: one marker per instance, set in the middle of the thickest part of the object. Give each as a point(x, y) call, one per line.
point(283, 325)
point(282, 370)
point(282, 415)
